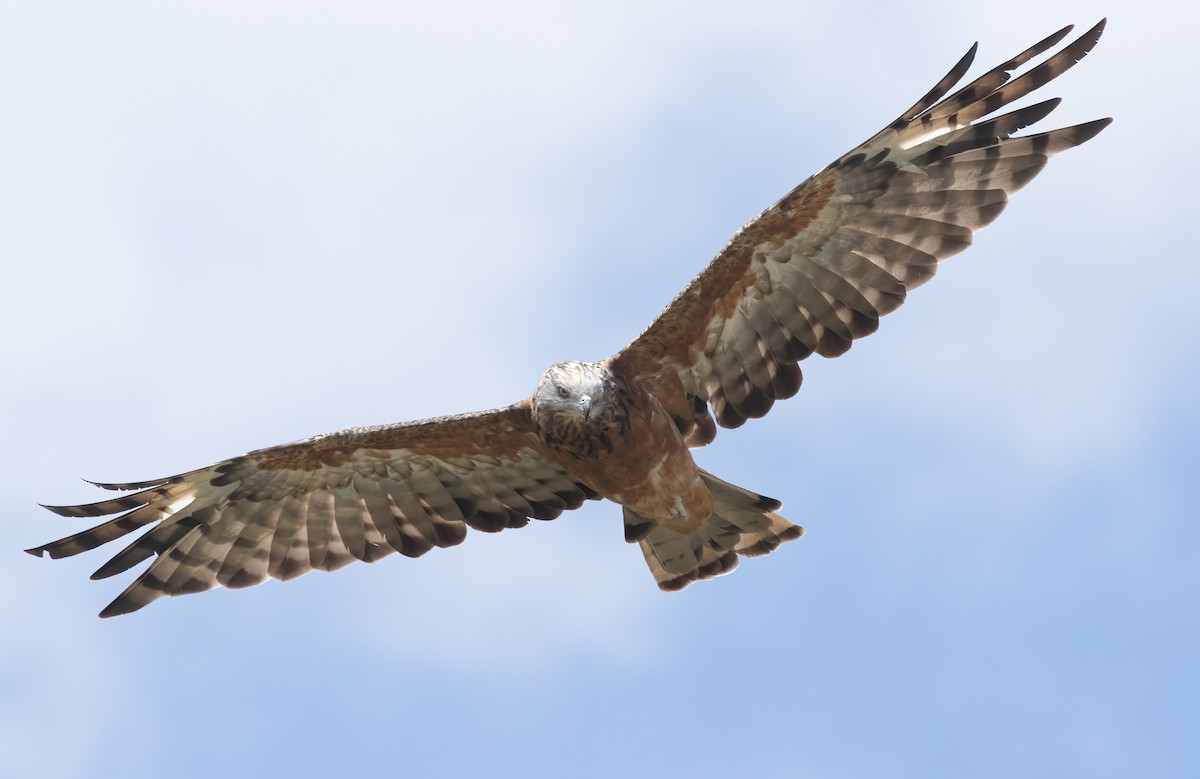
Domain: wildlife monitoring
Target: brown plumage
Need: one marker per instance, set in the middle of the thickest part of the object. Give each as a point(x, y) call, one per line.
point(810, 274)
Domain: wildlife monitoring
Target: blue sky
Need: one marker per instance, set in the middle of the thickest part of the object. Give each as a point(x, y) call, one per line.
point(230, 225)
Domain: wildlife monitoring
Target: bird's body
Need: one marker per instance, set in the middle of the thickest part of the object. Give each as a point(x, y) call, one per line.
point(809, 275)
point(628, 448)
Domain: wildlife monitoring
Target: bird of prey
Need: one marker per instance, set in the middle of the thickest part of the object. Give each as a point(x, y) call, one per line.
point(808, 275)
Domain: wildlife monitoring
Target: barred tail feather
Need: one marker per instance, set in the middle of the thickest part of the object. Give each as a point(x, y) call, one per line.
point(742, 523)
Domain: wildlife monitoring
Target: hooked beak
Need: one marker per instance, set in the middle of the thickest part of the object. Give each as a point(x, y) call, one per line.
point(585, 406)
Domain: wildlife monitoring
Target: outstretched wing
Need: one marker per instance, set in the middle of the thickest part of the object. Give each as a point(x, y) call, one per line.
point(817, 269)
point(358, 494)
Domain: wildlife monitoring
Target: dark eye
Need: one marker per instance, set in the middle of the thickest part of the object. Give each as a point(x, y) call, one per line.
point(563, 392)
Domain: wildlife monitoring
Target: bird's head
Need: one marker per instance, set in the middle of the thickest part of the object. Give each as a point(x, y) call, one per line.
point(574, 389)
point(574, 403)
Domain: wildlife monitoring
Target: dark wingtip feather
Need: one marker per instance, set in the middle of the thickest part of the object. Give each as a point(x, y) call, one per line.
point(62, 511)
point(767, 504)
point(1089, 130)
point(133, 598)
point(941, 88)
point(1049, 40)
point(55, 550)
point(1006, 125)
point(117, 608)
point(1086, 42)
point(111, 506)
point(133, 485)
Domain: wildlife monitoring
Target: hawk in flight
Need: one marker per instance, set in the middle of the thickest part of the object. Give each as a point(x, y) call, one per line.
point(808, 275)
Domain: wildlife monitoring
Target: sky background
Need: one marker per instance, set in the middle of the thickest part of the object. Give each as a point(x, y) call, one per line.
point(226, 225)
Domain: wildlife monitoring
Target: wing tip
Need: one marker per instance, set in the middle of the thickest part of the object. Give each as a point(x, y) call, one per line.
point(123, 604)
point(939, 90)
point(767, 504)
point(113, 610)
point(1054, 37)
point(62, 511)
point(1088, 40)
point(1089, 130)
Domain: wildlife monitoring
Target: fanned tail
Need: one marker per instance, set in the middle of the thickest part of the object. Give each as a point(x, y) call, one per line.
point(742, 523)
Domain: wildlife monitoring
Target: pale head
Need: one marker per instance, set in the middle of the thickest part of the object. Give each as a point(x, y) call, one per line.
point(574, 406)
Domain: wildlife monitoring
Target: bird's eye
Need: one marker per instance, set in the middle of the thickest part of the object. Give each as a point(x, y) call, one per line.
point(563, 392)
